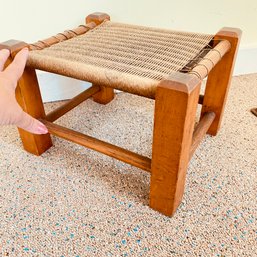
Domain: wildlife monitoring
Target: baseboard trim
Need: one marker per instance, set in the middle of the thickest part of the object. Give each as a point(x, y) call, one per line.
point(246, 62)
point(56, 88)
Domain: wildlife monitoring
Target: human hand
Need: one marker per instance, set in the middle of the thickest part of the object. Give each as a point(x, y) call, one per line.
point(10, 111)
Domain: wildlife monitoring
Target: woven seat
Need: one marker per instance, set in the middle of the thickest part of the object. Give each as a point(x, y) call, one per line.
point(167, 66)
point(128, 57)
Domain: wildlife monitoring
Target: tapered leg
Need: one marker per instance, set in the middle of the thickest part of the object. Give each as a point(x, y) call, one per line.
point(29, 97)
point(106, 94)
point(219, 78)
point(175, 109)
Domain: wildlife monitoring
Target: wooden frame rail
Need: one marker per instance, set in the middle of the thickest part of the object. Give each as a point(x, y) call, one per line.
point(201, 130)
point(208, 62)
point(72, 103)
point(119, 153)
point(116, 152)
point(68, 34)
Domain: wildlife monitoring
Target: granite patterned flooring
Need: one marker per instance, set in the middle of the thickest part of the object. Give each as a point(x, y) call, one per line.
point(74, 202)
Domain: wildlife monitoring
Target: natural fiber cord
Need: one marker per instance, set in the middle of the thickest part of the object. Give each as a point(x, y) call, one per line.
point(128, 57)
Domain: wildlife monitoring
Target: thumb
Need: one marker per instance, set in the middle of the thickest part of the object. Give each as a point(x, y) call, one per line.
point(31, 124)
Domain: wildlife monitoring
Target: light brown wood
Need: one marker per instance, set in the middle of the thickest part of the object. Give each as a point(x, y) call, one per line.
point(97, 17)
point(116, 152)
point(29, 97)
point(201, 130)
point(72, 103)
point(219, 78)
point(203, 68)
point(14, 46)
point(106, 94)
point(82, 29)
point(175, 109)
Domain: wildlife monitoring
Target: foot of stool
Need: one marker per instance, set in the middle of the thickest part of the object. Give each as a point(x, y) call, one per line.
point(29, 97)
point(175, 109)
point(104, 96)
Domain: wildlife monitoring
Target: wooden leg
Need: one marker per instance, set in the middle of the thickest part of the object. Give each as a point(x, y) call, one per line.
point(219, 78)
point(29, 97)
point(106, 94)
point(175, 109)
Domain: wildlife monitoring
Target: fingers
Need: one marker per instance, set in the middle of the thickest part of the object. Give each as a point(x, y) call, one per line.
point(13, 113)
point(4, 54)
point(16, 68)
point(30, 124)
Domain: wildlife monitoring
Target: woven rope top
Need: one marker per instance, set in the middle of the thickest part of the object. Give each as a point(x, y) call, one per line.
point(127, 57)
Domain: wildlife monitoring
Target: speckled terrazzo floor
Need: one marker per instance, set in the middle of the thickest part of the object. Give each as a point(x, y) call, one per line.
point(73, 202)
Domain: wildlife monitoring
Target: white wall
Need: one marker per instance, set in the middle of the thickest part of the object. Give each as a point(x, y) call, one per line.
point(30, 20)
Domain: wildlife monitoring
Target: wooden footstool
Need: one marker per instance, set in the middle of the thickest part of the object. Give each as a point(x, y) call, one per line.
point(164, 65)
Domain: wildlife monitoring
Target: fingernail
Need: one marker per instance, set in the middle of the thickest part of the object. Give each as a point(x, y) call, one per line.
point(25, 51)
point(42, 129)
